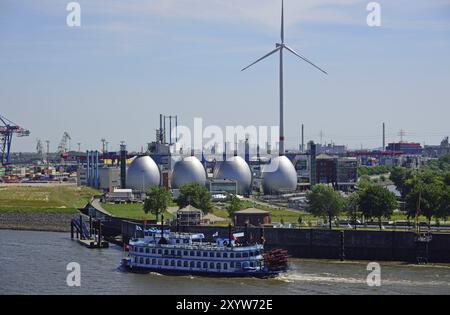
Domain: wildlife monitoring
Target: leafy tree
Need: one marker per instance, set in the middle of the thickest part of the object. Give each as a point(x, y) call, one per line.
point(234, 205)
point(446, 178)
point(195, 195)
point(425, 197)
point(373, 170)
point(353, 209)
point(324, 201)
point(401, 177)
point(444, 208)
point(377, 202)
point(441, 164)
point(363, 182)
point(157, 200)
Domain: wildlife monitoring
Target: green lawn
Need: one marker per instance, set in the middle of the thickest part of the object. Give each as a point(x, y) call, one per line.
point(131, 211)
point(44, 199)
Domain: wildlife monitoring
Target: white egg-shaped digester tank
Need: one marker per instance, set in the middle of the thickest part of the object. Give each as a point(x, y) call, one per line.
point(236, 169)
point(143, 174)
point(188, 171)
point(279, 176)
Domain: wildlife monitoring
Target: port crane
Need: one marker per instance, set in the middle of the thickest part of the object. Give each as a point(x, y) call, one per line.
point(7, 130)
point(64, 145)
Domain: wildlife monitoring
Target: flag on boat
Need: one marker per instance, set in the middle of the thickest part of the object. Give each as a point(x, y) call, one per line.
point(238, 235)
point(216, 234)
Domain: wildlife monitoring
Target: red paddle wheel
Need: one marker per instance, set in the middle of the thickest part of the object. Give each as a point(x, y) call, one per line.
point(276, 260)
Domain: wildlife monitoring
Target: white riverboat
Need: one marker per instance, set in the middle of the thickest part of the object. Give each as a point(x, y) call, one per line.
point(187, 253)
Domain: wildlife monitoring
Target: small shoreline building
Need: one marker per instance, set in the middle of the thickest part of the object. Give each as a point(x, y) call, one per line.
point(252, 217)
point(189, 216)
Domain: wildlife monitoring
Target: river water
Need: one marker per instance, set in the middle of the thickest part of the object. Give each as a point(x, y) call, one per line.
point(35, 263)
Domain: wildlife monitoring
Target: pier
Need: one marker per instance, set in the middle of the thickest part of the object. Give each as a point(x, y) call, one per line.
point(91, 237)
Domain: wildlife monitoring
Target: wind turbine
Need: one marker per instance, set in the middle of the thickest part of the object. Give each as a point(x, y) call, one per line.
point(279, 48)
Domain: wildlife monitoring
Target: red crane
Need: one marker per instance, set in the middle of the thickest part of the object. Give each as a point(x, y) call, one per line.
point(7, 130)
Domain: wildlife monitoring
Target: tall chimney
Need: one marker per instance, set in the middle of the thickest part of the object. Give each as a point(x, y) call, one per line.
point(160, 128)
point(384, 136)
point(123, 166)
point(303, 138)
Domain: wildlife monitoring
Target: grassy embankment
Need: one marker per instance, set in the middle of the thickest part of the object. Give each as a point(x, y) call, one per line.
point(132, 211)
point(278, 215)
point(44, 199)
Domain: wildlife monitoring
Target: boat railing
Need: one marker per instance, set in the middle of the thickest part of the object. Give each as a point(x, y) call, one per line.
point(202, 247)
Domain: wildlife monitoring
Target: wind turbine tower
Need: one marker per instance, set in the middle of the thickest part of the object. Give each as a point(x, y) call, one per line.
point(281, 174)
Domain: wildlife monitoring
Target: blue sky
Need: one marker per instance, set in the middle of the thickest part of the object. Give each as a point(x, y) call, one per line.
point(132, 60)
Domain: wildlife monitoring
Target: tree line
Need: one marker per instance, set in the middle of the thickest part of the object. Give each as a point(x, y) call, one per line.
point(425, 192)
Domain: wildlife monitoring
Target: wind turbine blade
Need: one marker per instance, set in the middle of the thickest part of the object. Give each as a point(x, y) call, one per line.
point(260, 59)
point(304, 59)
point(282, 21)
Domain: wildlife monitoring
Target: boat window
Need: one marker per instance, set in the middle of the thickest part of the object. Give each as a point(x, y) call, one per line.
point(147, 261)
point(211, 265)
point(199, 254)
point(179, 253)
point(147, 250)
point(141, 260)
point(199, 265)
point(225, 266)
point(205, 254)
point(238, 265)
point(153, 261)
point(218, 266)
point(153, 251)
point(192, 253)
point(160, 262)
point(238, 255)
point(172, 263)
point(185, 253)
point(135, 260)
point(192, 264)
point(141, 250)
point(179, 263)
point(166, 262)
point(172, 252)
point(211, 254)
point(166, 252)
point(186, 241)
point(225, 255)
point(218, 255)
point(231, 255)
point(205, 265)
point(159, 251)
point(178, 241)
point(245, 255)
point(232, 264)
point(186, 264)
